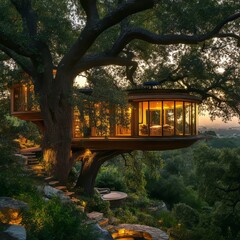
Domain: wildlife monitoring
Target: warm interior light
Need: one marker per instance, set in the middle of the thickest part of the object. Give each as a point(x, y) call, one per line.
point(54, 73)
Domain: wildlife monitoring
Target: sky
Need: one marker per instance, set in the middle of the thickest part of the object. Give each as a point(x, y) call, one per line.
point(205, 121)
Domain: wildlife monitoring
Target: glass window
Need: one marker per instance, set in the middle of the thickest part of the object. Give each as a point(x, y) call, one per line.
point(154, 118)
point(77, 130)
point(179, 118)
point(193, 119)
point(123, 120)
point(143, 119)
point(196, 112)
point(187, 107)
point(168, 118)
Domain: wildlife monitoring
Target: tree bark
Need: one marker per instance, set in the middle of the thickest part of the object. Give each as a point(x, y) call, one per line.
point(56, 111)
point(91, 164)
point(57, 148)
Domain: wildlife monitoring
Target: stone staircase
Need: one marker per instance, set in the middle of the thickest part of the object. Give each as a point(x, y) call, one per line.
point(36, 169)
point(32, 163)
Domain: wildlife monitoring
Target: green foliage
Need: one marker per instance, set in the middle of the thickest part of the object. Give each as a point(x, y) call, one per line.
point(134, 174)
point(166, 219)
point(218, 174)
point(186, 215)
point(13, 181)
point(53, 220)
point(95, 203)
point(138, 200)
point(111, 177)
point(125, 215)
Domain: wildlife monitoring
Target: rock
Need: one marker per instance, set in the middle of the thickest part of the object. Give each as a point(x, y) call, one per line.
point(103, 234)
point(10, 210)
point(16, 232)
point(95, 216)
point(7, 202)
point(6, 236)
point(158, 208)
point(53, 192)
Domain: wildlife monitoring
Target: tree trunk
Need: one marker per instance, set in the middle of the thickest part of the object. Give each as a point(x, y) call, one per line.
point(91, 164)
point(57, 137)
point(57, 149)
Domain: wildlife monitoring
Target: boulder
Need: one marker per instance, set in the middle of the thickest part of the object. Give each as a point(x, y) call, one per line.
point(16, 232)
point(103, 234)
point(7, 202)
point(51, 192)
point(10, 210)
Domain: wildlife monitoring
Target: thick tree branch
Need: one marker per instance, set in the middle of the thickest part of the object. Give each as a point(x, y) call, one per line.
point(101, 60)
point(147, 36)
point(216, 98)
point(93, 30)
point(124, 10)
point(25, 63)
point(24, 7)
point(90, 9)
point(13, 44)
point(225, 35)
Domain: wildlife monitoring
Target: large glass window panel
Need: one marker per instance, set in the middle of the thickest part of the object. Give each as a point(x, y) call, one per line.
point(77, 128)
point(187, 107)
point(179, 118)
point(143, 119)
point(123, 120)
point(197, 119)
point(193, 119)
point(154, 118)
point(102, 120)
point(168, 118)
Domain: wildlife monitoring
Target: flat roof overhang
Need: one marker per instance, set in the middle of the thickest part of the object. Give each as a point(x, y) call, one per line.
point(135, 143)
point(136, 95)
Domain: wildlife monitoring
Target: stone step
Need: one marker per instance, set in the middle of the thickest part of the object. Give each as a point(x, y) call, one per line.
point(28, 153)
point(32, 158)
point(36, 168)
point(110, 228)
point(69, 193)
point(95, 215)
point(53, 183)
point(38, 175)
point(33, 162)
point(75, 200)
point(50, 178)
point(63, 188)
point(103, 222)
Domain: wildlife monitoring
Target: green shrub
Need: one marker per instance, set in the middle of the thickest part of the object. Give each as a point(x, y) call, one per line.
point(137, 201)
point(146, 219)
point(110, 177)
point(186, 215)
point(53, 220)
point(95, 203)
point(126, 216)
point(13, 181)
point(166, 219)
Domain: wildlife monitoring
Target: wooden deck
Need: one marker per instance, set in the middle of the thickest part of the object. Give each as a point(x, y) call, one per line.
point(135, 143)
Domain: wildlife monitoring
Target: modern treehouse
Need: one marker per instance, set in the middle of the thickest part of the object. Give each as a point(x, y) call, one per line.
point(154, 119)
